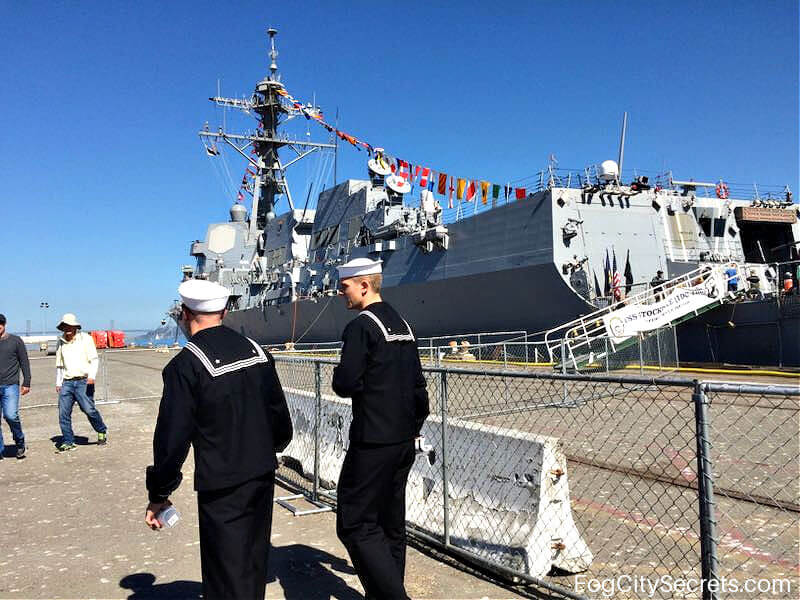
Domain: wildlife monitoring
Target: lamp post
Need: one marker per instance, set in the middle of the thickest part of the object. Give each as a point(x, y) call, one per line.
point(44, 306)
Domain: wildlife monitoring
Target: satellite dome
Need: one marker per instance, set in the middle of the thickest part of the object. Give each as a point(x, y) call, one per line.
point(609, 170)
point(379, 167)
point(398, 184)
point(238, 213)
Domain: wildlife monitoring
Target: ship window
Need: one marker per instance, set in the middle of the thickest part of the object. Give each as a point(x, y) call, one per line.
point(719, 227)
point(705, 224)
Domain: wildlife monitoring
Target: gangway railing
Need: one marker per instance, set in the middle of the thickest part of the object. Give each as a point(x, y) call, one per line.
point(594, 336)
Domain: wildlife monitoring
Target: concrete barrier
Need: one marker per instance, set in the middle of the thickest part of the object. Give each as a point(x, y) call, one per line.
point(507, 491)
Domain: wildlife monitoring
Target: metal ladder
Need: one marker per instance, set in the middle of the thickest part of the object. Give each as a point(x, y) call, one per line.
point(587, 339)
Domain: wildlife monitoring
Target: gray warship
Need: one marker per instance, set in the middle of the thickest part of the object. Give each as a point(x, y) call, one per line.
point(576, 242)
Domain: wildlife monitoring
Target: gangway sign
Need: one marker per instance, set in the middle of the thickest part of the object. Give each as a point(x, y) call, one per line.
point(687, 297)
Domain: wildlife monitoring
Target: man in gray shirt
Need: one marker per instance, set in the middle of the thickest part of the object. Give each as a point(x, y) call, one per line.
point(13, 358)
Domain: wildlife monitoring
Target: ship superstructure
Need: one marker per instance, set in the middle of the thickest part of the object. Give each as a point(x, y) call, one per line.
point(576, 241)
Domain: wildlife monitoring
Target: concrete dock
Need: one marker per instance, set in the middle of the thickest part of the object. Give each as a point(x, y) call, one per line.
point(74, 522)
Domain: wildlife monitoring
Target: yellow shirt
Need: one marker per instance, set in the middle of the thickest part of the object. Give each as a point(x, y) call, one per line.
point(76, 358)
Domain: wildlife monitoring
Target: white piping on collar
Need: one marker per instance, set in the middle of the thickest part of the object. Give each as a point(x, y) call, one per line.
point(229, 368)
point(391, 337)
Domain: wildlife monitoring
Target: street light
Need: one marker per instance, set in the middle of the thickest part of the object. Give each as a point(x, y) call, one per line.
point(44, 306)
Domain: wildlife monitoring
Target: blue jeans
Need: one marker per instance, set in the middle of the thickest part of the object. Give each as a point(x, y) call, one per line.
point(72, 391)
point(9, 398)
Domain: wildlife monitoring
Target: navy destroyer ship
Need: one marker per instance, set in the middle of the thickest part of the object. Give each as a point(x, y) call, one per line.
point(572, 243)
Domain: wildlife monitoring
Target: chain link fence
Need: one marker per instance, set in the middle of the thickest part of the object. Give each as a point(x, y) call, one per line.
point(122, 375)
point(752, 432)
point(518, 350)
point(561, 479)
point(565, 480)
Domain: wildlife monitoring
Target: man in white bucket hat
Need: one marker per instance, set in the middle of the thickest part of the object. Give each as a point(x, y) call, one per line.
point(76, 368)
point(381, 372)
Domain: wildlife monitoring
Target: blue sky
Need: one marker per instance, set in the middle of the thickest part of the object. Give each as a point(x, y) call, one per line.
point(103, 182)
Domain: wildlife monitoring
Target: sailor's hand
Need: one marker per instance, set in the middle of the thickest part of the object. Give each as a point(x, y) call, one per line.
point(90, 381)
point(58, 389)
point(24, 390)
point(153, 508)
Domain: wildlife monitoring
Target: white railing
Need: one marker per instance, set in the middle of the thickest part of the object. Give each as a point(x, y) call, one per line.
point(578, 341)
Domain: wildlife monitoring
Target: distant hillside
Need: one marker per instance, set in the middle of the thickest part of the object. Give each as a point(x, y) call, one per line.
point(161, 336)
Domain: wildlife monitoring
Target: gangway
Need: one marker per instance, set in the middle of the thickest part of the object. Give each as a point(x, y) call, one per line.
point(594, 336)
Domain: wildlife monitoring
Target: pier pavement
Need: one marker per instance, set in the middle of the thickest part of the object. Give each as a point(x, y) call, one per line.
point(74, 523)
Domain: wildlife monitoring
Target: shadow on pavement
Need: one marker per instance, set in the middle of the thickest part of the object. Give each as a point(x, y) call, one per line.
point(300, 572)
point(298, 569)
point(10, 451)
point(521, 590)
point(141, 584)
point(80, 440)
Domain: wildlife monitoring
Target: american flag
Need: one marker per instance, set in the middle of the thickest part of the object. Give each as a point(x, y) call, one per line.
point(617, 280)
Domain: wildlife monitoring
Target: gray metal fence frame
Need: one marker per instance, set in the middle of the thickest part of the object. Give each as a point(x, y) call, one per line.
point(705, 499)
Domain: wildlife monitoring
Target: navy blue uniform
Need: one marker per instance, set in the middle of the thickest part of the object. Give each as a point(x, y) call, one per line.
point(222, 395)
point(381, 372)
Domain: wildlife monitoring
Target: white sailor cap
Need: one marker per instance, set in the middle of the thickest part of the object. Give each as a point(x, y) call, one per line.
point(359, 267)
point(203, 296)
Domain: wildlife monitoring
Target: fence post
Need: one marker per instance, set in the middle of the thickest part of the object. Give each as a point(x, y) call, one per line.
point(641, 355)
point(605, 343)
point(565, 395)
point(317, 419)
point(526, 348)
point(658, 345)
point(445, 492)
point(705, 488)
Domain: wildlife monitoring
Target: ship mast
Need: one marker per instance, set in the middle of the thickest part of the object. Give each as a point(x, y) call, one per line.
point(270, 176)
point(271, 109)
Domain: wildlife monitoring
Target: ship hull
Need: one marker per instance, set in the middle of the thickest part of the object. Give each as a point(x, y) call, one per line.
point(533, 299)
point(529, 299)
point(755, 333)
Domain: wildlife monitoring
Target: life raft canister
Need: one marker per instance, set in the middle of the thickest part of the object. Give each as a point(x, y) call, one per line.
point(722, 191)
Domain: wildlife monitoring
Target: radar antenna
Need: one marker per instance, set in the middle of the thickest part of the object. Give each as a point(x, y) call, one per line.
point(273, 54)
point(260, 149)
